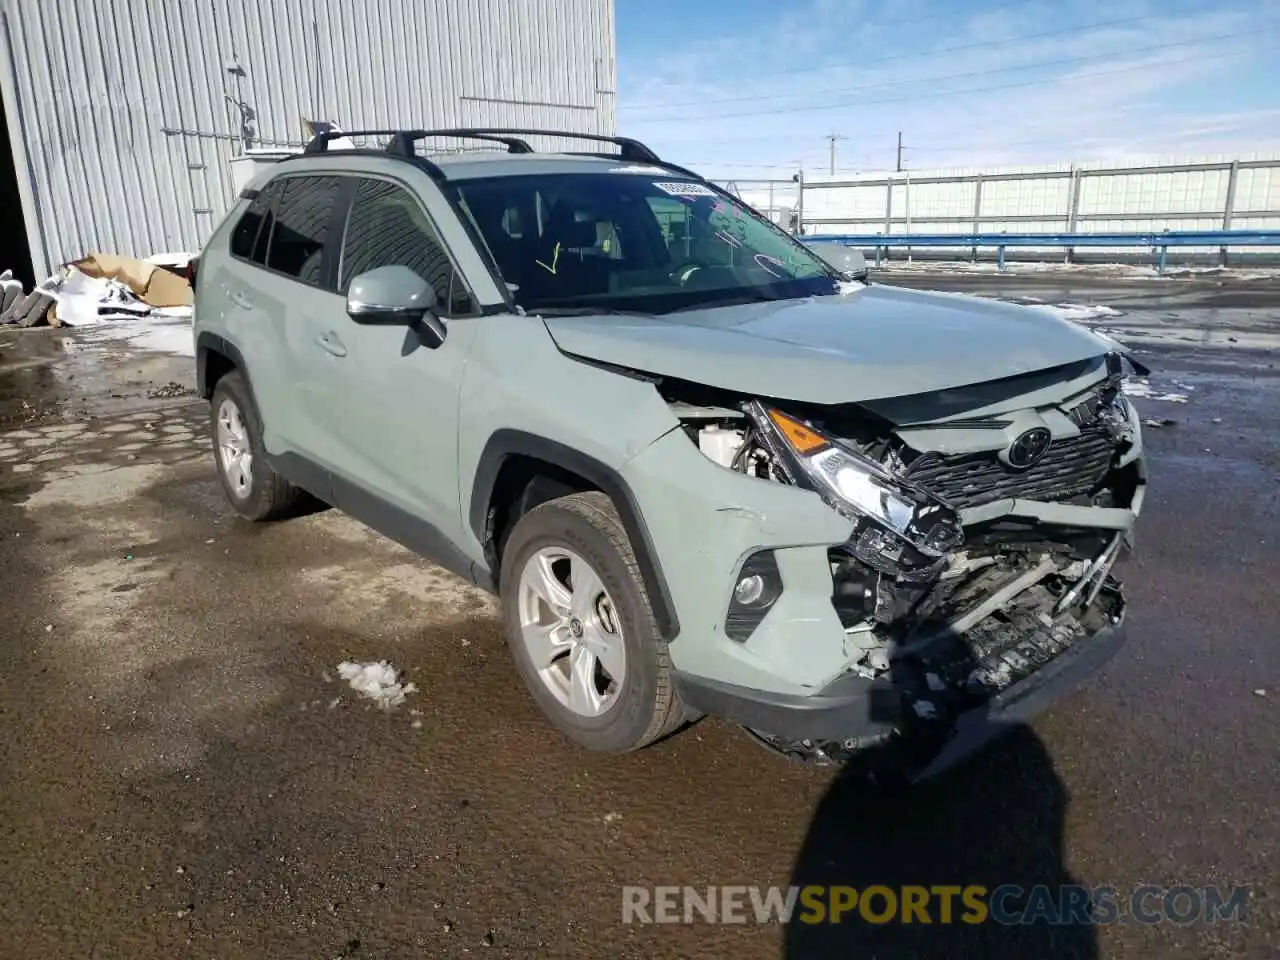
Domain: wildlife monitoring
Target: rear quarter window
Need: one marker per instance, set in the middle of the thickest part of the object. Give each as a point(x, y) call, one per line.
point(253, 230)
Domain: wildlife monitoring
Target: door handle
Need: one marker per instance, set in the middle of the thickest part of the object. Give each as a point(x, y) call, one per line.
point(330, 342)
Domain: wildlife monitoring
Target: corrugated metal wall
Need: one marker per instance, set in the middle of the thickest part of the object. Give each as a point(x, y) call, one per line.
point(123, 111)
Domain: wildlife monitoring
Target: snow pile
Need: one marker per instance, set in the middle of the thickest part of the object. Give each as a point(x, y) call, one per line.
point(379, 681)
point(171, 259)
point(83, 300)
point(98, 288)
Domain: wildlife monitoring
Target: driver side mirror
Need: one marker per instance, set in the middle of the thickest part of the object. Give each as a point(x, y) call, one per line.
point(848, 261)
point(396, 296)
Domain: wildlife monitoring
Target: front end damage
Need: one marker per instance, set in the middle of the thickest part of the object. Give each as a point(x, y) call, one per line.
point(983, 544)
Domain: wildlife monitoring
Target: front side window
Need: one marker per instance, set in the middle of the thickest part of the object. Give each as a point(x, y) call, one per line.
point(649, 244)
point(387, 226)
point(303, 216)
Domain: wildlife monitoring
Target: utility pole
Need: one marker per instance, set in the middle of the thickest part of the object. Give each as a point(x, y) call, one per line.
point(899, 151)
point(832, 138)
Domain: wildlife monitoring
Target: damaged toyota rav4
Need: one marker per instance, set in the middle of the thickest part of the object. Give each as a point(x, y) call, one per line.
point(706, 470)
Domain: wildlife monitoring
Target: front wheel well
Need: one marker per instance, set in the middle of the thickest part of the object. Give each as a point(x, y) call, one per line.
point(517, 471)
point(523, 482)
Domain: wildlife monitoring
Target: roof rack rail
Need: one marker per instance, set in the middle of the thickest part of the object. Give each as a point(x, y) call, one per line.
point(632, 150)
point(402, 141)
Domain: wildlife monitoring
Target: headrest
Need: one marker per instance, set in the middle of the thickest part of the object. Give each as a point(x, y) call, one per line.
point(571, 227)
point(577, 233)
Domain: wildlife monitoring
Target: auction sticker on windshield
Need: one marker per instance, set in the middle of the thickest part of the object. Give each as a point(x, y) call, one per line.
point(683, 188)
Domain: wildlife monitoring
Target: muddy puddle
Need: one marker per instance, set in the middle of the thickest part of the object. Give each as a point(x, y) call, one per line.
point(73, 374)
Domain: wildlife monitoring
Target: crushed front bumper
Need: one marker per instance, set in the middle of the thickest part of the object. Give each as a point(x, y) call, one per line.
point(855, 710)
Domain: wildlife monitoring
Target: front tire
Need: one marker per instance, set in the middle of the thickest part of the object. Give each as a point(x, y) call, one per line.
point(581, 629)
point(254, 490)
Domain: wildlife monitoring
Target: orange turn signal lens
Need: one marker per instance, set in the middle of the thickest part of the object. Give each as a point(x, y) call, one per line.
point(802, 439)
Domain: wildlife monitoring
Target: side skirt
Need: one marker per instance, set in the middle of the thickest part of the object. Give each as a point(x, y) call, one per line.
point(387, 519)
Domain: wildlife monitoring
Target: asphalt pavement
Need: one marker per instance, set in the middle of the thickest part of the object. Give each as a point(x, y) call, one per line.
point(184, 774)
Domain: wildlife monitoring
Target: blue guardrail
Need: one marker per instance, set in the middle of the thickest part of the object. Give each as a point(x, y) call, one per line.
point(1158, 242)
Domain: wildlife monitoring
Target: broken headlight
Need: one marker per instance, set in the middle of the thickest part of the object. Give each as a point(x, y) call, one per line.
point(858, 487)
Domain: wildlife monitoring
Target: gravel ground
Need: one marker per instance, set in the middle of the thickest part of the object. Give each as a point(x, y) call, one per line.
point(183, 774)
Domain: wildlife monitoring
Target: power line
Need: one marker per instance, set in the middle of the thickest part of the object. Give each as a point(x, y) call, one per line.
point(932, 94)
point(968, 74)
point(1081, 28)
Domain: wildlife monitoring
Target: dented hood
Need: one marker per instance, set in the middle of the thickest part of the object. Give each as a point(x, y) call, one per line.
point(874, 343)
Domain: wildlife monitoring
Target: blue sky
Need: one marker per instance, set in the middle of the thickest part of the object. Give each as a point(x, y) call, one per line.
point(752, 88)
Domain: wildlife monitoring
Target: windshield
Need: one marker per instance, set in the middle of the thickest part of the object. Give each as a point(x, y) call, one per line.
point(587, 242)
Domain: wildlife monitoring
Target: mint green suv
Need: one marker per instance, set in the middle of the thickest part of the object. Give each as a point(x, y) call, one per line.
point(706, 469)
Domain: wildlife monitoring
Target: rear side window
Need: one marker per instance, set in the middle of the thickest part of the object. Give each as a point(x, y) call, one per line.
point(253, 231)
point(387, 226)
point(303, 216)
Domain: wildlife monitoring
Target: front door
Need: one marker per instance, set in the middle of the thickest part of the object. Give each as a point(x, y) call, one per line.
point(395, 400)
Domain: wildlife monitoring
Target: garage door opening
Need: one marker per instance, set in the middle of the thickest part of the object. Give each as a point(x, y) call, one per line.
point(15, 255)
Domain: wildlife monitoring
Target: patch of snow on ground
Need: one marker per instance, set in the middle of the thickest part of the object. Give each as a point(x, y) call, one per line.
point(173, 337)
point(1142, 388)
point(379, 681)
point(167, 330)
point(1119, 271)
point(1079, 312)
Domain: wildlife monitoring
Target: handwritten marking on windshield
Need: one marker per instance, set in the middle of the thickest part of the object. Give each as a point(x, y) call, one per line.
point(555, 260)
point(763, 261)
point(728, 238)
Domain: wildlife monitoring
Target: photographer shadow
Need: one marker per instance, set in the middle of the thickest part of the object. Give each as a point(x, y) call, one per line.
point(996, 820)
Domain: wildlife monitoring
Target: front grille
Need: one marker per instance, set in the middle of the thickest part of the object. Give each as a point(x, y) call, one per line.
point(1072, 467)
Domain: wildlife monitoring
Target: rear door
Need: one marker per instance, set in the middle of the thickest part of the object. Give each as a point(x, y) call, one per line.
point(250, 312)
point(298, 283)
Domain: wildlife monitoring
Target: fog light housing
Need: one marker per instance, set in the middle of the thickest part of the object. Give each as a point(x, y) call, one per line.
point(757, 588)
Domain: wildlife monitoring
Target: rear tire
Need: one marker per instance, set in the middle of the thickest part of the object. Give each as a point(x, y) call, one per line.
point(254, 490)
point(569, 648)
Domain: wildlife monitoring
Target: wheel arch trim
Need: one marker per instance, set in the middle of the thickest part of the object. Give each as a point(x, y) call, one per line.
point(504, 444)
point(207, 343)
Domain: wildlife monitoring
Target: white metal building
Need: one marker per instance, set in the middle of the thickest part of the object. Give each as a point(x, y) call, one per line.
point(123, 115)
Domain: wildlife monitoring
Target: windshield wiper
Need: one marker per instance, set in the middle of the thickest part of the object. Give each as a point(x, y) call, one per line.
point(586, 312)
point(733, 300)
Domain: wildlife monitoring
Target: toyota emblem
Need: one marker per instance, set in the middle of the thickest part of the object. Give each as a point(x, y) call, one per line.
point(1028, 447)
